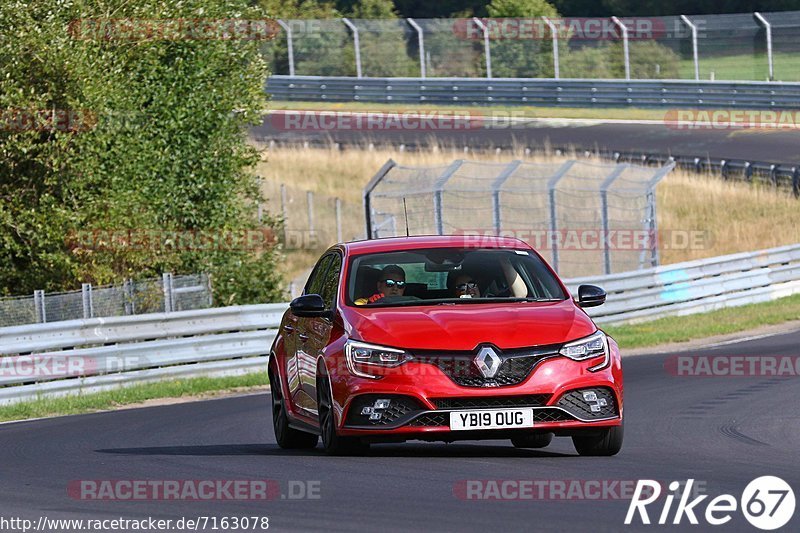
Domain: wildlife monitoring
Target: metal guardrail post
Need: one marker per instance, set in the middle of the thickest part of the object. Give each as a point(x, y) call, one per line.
point(554, 33)
point(128, 297)
point(356, 43)
point(496, 186)
point(624, 30)
point(768, 27)
point(551, 192)
point(421, 41)
point(86, 298)
point(39, 307)
point(437, 195)
point(604, 213)
point(695, 55)
point(376, 179)
point(486, 49)
point(166, 279)
point(289, 44)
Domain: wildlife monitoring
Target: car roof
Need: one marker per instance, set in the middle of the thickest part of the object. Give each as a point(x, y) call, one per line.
point(391, 244)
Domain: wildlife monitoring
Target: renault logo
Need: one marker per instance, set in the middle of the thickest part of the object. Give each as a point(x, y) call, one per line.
point(488, 362)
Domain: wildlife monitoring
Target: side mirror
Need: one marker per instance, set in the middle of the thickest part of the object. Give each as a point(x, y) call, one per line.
point(591, 296)
point(309, 306)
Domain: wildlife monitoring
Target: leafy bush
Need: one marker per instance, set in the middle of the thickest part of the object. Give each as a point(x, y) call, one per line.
point(161, 146)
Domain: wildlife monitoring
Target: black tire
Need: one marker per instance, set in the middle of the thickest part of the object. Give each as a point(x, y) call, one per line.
point(332, 442)
point(608, 442)
point(534, 440)
point(288, 438)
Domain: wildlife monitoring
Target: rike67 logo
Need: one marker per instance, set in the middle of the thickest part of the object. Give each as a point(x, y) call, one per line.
point(767, 503)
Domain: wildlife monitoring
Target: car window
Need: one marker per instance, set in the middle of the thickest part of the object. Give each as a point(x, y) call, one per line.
point(450, 275)
point(315, 280)
point(330, 281)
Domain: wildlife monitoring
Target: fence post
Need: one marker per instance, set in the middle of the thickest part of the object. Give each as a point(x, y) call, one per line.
point(624, 30)
point(166, 279)
point(604, 214)
point(692, 27)
point(768, 27)
point(310, 201)
point(437, 194)
point(86, 297)
point(554, 32)
point(284, 214)
point(289, 44)
point(38, 304)
point(356, 43)
point(496, 186)
point(128, 297)
point(551, 192)
point(421, 41)
point(338, 208)
point(486, 49)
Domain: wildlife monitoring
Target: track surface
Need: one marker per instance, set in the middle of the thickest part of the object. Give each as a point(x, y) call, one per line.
point(724, 431)
point(774, 146)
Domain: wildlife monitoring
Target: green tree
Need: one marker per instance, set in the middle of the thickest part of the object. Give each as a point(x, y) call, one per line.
point(515, 56)
point(159, 146)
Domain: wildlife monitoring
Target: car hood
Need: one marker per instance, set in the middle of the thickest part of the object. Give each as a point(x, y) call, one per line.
point(465, 326)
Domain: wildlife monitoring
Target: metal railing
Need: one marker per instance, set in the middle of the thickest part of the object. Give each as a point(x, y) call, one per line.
point(537, 92)
point(743, 46)
point(170, 293)
point(90, 355)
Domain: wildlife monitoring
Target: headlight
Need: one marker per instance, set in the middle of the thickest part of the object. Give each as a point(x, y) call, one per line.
point(595, 345)
point(360, 356)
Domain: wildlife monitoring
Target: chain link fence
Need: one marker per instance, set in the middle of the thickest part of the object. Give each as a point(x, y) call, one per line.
point(747, 46)
point(586, 218)
point(170, 293)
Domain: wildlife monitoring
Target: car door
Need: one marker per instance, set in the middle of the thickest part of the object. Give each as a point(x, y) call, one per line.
point(298, 357)
point(315, 333)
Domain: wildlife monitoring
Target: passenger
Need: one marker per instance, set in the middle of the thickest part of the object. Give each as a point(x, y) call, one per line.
point(392, 282)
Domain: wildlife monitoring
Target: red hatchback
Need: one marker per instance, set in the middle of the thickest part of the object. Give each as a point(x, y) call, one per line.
point(443, 339)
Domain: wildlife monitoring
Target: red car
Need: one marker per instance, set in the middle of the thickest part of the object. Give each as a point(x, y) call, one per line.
point(443, 338)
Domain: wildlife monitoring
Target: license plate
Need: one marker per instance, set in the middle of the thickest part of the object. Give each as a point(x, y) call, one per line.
point(491, 419)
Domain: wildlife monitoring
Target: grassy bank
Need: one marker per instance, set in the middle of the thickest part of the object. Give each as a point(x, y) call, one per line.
point(111, 399)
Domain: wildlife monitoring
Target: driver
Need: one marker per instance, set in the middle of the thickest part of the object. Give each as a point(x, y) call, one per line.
point(392, 282)
point(465, 286)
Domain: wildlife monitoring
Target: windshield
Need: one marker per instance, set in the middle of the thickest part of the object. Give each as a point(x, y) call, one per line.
point(450, 276)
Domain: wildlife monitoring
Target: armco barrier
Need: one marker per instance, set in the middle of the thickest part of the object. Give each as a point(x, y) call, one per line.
point(236, 340)
point(538, 92)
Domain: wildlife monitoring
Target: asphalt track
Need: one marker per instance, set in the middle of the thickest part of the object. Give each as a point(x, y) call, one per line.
point(722, 431)
point(771, 146)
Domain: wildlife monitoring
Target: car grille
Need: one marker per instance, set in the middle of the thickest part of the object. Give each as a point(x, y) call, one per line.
point(443, 419)
point(604, 406)
point(516, 366)
point(531, 400)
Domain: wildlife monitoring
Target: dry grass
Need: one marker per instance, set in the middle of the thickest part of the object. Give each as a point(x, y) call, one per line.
point(733, 216)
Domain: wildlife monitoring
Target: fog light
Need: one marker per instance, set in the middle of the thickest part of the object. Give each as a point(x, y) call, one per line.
point(590, 396)
point(375, 416)
point(366, 411)
point(382, 404)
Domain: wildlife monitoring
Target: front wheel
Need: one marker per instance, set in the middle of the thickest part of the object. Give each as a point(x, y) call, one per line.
point(332, 442)
point(607, 442)
point(287, 437)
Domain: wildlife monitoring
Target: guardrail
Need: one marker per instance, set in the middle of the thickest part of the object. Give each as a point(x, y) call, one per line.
point(90, 355)
point(696, 286)
point(538, 92)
